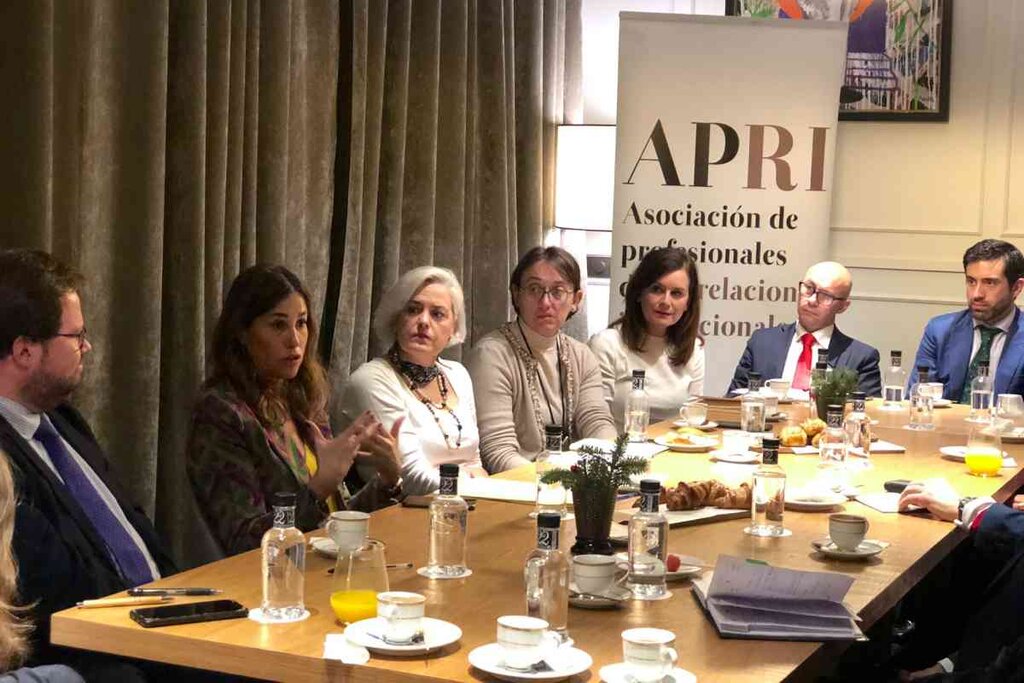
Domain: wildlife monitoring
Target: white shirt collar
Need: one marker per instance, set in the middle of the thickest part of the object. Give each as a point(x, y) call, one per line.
point(823, 336)
point(24, 421)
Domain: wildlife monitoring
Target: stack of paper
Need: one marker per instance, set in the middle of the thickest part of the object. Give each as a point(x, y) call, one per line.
point(752, 600)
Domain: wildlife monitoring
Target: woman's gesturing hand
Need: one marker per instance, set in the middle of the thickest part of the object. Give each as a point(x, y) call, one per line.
point(335, 456)
point(382, 447)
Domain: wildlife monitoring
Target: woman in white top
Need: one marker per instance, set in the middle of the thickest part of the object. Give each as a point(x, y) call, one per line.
point(422, 314)
point(657, 334)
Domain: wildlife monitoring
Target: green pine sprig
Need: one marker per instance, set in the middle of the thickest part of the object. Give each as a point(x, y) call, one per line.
point(596, 469)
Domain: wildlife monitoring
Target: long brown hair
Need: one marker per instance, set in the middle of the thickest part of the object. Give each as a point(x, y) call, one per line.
point(14, 629)
point(255, 291)
point(682, 336)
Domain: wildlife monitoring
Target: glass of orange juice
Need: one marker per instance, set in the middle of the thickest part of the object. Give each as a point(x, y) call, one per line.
point(984, 453)
point(358, 576)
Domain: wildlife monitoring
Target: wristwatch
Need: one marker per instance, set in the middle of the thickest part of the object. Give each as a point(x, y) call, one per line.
point(960, 507)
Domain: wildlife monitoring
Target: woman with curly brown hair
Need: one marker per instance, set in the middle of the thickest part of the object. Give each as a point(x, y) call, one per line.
point(260, 423)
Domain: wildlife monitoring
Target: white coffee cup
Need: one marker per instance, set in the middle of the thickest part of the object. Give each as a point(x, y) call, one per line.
point(348, 529)
point(695, 413)
point(524, 641)
point(780, 387)
point(846, 530)
point(933, 389)
point(593, 574)
point(403, 616)
point(648, 653)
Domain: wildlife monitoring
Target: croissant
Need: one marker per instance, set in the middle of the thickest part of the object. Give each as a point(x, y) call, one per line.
point(697, 494)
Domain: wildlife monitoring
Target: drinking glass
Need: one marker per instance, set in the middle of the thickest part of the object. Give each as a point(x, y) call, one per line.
point(984, 454)
point(1010, 407)
point(358, 576)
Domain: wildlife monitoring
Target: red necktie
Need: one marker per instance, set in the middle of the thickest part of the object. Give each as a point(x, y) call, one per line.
point(802, 377)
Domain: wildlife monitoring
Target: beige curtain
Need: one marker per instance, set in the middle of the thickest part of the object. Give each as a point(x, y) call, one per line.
point(160, 146)
point(450, 158)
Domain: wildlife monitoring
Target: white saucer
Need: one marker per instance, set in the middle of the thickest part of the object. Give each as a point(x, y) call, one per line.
point(684, 572)
point(815, 503)
point(325, 546)
point(422, 571)
point(941, 403)
point(705, 427)
point(1013, 436)
point(747, 458)
point(619, 673)
point(665, 441)
point(612, 598)
point(566, 662)
point(864, 550)
point(369, 633)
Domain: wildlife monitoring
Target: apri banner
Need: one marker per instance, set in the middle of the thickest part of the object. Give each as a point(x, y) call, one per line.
point(725, 147)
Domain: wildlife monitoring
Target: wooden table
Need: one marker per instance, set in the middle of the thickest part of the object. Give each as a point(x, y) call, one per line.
point(501, 535)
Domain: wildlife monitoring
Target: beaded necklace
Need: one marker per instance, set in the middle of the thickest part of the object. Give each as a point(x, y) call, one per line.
point(413, 375)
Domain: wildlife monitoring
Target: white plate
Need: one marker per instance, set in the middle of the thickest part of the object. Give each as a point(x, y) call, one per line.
point(864, 550)
point(747, 458)
point(614, 597)
point(663, 440)
point(941, 402)
point(958, 453)
point(706, 427)
point(325, 546)
point(567, 661)
point(1013, 436)
point(812, 503)
point(619, 673)
point(369, 634)
point(685, 571)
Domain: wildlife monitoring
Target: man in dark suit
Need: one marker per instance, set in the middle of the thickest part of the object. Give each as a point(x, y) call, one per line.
point(987, 628)
point(954, 345)
point(789, 350)
point(77, 535)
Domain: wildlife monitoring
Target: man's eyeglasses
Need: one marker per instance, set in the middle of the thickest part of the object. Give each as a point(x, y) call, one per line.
point(536, 292)
point(79, 336)
point(809, 289)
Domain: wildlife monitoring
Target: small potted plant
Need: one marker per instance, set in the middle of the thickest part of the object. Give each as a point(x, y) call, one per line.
point(833, 387)
point(594, 481)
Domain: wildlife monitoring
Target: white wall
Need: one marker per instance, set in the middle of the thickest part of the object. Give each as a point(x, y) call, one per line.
point(909, 198)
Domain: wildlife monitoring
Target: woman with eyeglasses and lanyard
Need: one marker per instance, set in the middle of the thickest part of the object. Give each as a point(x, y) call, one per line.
point(657, 334)
point(528, 375)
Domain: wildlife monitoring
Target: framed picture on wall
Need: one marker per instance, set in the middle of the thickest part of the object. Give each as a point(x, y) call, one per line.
point(897, 61)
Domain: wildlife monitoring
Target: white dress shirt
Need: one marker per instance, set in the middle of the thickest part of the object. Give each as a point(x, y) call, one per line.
point(998, 342)
point(822, 338)
point(25, 422)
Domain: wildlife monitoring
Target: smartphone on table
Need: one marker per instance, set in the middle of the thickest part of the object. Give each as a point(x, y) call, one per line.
point(166, 615)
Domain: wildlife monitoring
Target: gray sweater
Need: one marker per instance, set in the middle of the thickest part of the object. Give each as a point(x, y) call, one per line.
point(518, 393)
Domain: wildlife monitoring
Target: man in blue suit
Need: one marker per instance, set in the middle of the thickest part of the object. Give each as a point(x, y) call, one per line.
point(955, 344)
point(788, 351)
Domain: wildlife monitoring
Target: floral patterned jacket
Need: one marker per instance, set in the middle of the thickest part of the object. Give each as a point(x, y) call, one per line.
point(236, 465)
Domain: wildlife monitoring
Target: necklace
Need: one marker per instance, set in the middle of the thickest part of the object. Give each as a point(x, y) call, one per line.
point(442, 387)
point(416, 375)
point(561, 389)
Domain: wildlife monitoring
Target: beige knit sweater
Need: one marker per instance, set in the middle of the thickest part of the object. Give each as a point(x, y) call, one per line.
point(517, 396)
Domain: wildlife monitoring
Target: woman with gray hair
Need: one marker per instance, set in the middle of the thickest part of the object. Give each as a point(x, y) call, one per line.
point(421, 315)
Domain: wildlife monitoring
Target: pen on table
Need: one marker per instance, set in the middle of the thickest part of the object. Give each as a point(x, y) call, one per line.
point(124, 602)
point(174, 591)
point(397, 565)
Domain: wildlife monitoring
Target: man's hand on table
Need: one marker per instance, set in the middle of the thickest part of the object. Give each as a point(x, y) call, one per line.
point(940, 501)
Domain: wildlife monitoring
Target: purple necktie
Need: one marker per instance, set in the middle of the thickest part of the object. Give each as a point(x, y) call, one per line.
point(126, 555)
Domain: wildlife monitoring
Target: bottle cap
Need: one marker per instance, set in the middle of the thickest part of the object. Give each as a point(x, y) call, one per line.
point(553, 430)
point(895, 353)
point(283, 499)
point(449, 469)
point(833, 408)
point(549, 520)
point(858, 395)
point(639, 373)
point(770, 442)
point(650, 486)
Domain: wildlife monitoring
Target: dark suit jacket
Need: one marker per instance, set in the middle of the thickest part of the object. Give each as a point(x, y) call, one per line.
point(767, 349)
point(61, 558)
point(946, 350)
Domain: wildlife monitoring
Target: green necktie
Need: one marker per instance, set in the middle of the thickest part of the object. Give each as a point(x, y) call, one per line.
point(987, 335)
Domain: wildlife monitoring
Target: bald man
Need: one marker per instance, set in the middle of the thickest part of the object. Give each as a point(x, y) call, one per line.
point(790, 350)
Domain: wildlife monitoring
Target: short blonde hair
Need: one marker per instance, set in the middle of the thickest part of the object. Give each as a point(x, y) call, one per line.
point(385, 320)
